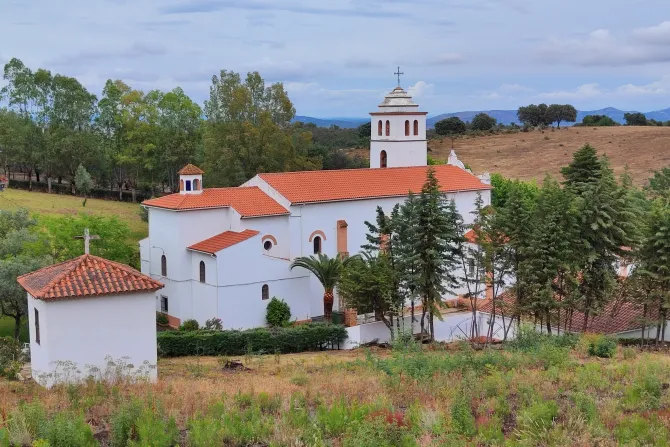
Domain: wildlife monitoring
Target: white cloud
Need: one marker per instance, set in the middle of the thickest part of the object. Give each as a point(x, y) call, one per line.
point(660, 87)
point(581, 92)
point(421, 89)
point(601, 48)
point(654, 34)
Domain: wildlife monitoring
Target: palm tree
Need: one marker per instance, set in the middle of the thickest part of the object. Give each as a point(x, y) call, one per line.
point(328, 271)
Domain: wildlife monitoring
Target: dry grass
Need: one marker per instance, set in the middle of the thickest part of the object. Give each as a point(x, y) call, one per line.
point(532, 155)
point(43, 203)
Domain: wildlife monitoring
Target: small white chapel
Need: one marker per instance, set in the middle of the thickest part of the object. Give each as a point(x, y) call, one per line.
point(225, 252)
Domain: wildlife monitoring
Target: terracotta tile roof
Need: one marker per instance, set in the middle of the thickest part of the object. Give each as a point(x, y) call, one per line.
point(613, 319)
point(223, 240)
point(190, 169)
point(470, 236)
point(352, 184)
point(249, 201)
point(85, 276)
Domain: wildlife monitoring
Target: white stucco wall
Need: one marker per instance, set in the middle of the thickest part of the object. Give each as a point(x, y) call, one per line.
point(86, 331)
point(401, 149)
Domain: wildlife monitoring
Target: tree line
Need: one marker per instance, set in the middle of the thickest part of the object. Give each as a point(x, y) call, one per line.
point(131, 140)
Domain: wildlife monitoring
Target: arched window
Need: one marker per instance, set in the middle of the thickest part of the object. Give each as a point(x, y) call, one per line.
point(388, 128)
point(202, 271)
point(196, 185)
point(382, 159)
point(163, 265)
point(267, 245)
point(379, 128)
point(265, 292)
point(407, 128)
point(416, 127)
point(181, 185)
point(317, 244)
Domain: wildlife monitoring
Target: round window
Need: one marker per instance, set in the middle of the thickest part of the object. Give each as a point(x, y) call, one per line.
point(267, 245)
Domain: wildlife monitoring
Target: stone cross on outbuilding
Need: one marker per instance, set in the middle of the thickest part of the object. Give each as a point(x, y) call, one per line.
point(87, 239)
point(398, 73)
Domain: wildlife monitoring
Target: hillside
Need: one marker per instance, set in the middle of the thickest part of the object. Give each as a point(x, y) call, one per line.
point(532, 155)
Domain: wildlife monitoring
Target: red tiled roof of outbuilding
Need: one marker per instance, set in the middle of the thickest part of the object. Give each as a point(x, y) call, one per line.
point(190, 169)
point(83, 277)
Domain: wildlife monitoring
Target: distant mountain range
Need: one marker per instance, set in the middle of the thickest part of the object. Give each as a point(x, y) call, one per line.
point(503, 116)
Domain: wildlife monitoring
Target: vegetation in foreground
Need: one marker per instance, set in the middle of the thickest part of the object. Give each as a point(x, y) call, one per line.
point(537, 391)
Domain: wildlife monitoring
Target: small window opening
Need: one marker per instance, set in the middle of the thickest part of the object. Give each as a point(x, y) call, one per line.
point(265, 292)
point(202, 271)
point(164, 304)
point(416, 127)
point(407, 128)
point(388, 128)
point(163, 265)
point(471, 267)
point(37, 327)
point(196, 185)
point(383, 159)
point(379, 128)
point(267, 245)
point(317, 244)
point(188, 185)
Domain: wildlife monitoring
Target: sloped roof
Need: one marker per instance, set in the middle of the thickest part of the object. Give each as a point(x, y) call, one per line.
point(249, 201)
point(190, 169)
point(353, 184)
point(223, 240)
point(613, 319)
point(83, 277)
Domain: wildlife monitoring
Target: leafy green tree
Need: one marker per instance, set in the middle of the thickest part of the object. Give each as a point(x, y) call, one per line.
point(114, 243)
point(558, 113)
point(248, 130)
point(598, 120)
point(502, 187)
point(584, 171)
point(659, 184)
point(367, 284)
point(451, 127)
point(328, 271)
point(635, 119)
point(534, 115)
point(483, 122)
point(83, 182)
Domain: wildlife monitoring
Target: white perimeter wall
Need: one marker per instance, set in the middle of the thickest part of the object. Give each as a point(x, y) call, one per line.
point(85, 331)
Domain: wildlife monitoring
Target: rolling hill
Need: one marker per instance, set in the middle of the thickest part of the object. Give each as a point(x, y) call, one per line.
point(503, 116)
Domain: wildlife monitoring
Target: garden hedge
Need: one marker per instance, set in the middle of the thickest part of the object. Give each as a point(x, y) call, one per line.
point(305, 337)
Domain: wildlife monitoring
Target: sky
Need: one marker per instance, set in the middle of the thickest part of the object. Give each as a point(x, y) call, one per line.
point(336, 58)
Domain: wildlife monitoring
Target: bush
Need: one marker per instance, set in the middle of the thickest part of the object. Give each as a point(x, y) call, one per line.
point(603, 347)
point(189, 326)
point(306, 337)
point(162, 318)
point(213, 324)
point(10, 357)
point(278, 313)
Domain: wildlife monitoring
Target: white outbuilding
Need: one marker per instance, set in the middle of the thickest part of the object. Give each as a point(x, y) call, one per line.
point(91, 317)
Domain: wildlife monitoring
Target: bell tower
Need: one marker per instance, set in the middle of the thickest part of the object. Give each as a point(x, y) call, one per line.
point(398, 132)
point(190, 179)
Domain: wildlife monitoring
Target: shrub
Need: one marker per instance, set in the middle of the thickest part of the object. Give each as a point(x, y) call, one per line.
point(156, 432)
point(162, 318)
point(122, 424)
point(10, 357)
point(278, 313)
point(603, 347)
point(538, 417)
point(214, 324)
point(306, 337)
point(462, 417)
point(64, 430)
point(189, 326)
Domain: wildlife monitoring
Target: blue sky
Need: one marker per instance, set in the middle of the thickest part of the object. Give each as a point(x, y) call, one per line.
point(337, 57)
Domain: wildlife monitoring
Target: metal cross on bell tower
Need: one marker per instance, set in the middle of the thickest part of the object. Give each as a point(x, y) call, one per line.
point(398, 73)
point(87, 239)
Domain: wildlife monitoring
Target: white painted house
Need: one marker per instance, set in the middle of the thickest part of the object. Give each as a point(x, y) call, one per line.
point(224, 252)
point(86, 311)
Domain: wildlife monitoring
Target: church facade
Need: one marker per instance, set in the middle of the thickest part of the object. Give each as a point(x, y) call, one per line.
point(225, 252)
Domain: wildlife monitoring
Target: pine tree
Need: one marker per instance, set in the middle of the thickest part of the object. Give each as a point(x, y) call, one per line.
point(606, 226)
point(435, 233)
point(407, 255)
point(584, 170)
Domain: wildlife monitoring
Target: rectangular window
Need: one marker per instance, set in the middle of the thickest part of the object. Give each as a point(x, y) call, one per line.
point(37, 327)
point(188, 185)
point(471, 267)
point(164, 304)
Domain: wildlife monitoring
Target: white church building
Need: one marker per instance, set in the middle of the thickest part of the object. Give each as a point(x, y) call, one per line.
point(224, 252)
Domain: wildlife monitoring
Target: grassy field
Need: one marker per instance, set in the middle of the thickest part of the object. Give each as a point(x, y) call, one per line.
point(532, 155)
point(43, 203)
point(7, 329)
point(543, 392)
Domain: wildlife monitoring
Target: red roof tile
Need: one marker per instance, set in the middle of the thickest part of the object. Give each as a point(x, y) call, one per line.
point(85, 276)
point(351, 184)
point(190, 169)
point(249, 201)
point(223, 240)
point(470, 236)
point(614, 318)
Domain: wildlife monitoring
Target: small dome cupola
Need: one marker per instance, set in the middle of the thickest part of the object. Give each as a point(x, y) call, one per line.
point(190, 179)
